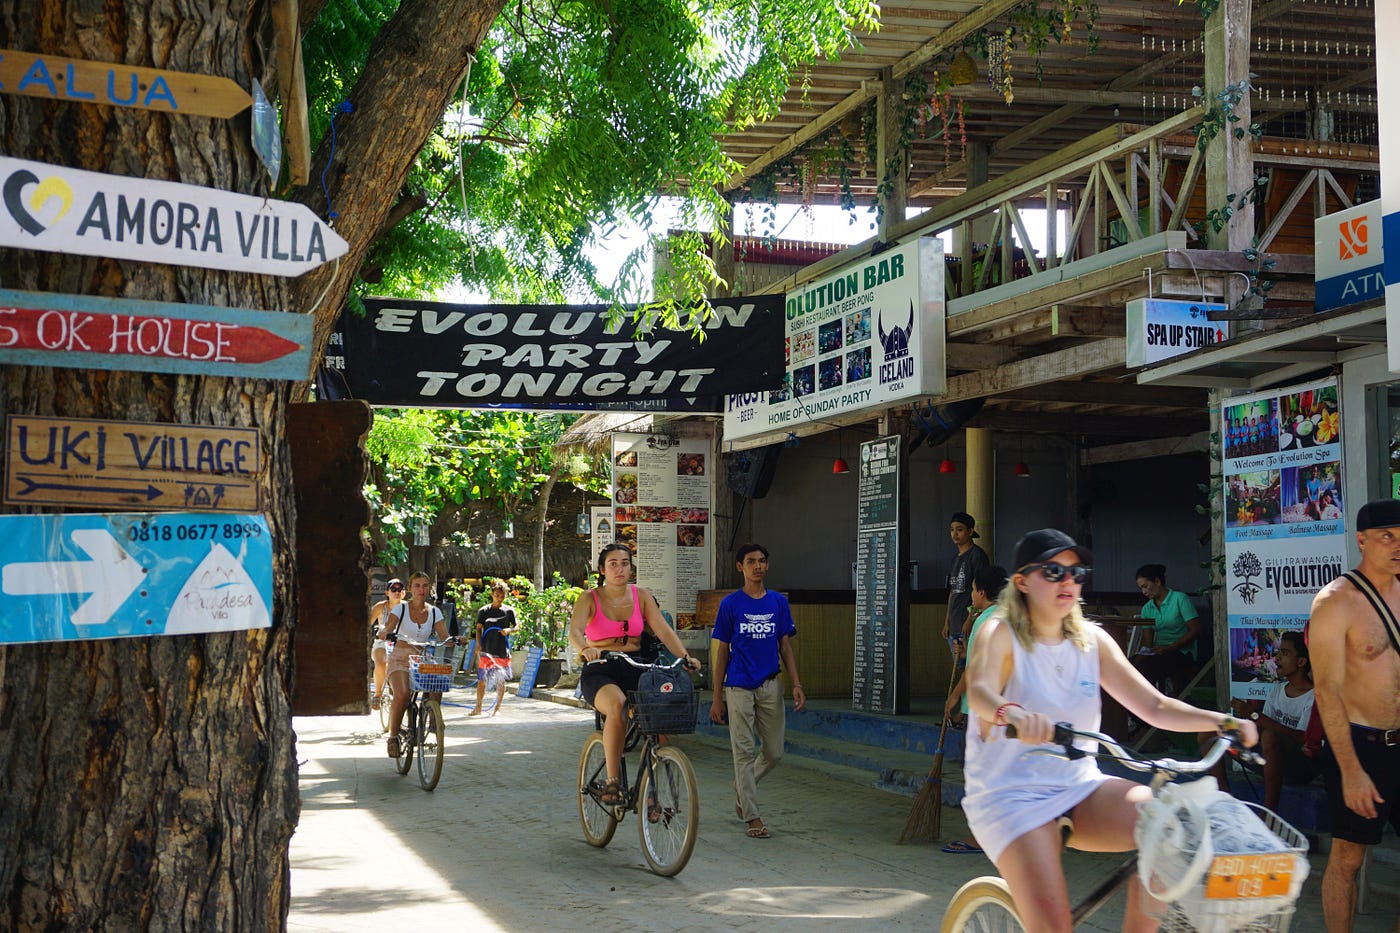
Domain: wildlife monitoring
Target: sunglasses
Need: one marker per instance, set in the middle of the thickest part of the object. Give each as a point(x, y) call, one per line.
point(1054, 573)
point(396, 588)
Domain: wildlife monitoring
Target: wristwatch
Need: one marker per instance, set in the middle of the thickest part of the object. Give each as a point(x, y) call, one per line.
point(1254, 715)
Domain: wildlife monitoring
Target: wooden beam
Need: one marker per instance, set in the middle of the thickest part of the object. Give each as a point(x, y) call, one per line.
point(950, 36)
point(1082, 360)
point(965, 356)
point(1087, 422)
point(1109, 393)
point(1197, 443)
point(291, 83)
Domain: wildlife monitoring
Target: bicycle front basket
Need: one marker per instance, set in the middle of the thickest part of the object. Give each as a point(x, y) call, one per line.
point(430, 676)
point(666, 703)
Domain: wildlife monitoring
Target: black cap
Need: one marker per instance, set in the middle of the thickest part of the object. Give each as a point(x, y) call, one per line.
point(1036, 547)
point(1383, 513)
point(962, 518)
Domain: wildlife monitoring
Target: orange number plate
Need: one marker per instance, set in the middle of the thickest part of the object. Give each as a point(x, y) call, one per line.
point(1237, 876)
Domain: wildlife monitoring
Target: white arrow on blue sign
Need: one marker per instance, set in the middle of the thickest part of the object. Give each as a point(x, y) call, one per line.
point(70, 577)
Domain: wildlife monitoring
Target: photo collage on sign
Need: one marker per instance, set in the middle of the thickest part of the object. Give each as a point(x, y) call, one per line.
point(838, 351)
point(661, 510)
point(1285, 524)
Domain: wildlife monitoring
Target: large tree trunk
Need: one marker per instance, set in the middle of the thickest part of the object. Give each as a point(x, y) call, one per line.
point(151, 782)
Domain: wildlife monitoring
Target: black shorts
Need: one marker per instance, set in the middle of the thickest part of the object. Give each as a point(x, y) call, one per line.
point(1381, 763)
point(599, 674)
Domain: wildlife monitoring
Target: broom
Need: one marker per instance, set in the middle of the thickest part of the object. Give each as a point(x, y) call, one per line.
point(925, 821)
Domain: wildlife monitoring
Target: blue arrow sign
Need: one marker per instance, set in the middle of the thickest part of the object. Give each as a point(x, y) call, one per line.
point(70, 577)
point(28, 484)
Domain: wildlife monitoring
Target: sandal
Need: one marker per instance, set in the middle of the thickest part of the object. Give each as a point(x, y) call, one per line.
point(757, 832)
point(374, 703)
point(610, 792)
point(653, 809)
point(393, 746)
point(962, 848)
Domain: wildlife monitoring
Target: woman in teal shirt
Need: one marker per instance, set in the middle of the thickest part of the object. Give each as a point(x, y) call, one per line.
point(1170, 645)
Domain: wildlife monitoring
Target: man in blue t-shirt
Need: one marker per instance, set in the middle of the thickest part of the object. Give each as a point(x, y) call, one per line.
point(752, 644)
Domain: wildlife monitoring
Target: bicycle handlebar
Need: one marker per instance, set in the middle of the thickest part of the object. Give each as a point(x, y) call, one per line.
point(430, 645)
point(645, 665)
point(1065, 734)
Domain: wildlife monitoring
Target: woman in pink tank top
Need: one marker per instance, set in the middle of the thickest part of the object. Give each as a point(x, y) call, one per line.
point(610, 618)
point(1038, 661)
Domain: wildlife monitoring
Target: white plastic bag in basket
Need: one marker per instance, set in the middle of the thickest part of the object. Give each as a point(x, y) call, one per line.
point(1180, 832)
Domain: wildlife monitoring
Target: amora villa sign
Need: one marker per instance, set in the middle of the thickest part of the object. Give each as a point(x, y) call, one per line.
point(65, 210)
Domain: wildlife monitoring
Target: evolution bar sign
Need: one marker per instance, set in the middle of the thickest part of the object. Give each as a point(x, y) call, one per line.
point(65, 210)
point(427, 354)
point(81, 332)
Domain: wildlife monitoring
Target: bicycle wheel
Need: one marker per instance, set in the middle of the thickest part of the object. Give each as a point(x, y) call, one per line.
point(386, 703)
point(406, 743)
point(429, 744)
point(668, 811)
point(599, 822)
point(983, 905)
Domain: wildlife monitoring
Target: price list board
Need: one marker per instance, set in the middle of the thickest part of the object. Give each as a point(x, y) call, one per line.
point(880, 683)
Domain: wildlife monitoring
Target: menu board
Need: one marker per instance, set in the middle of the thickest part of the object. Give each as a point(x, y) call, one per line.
point(1285, 531)
point(880, 682)
point(661, 508)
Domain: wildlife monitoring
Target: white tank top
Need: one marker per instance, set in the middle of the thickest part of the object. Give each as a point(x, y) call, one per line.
point(412, 630)
point(1058, 681)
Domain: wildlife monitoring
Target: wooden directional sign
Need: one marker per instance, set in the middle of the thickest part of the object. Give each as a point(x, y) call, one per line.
point(117, 464)
point(67, 210)
point(87, 82)
point(69, 577)
point(85, 332)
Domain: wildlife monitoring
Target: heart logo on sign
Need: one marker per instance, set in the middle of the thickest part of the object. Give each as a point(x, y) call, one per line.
point(44, 192)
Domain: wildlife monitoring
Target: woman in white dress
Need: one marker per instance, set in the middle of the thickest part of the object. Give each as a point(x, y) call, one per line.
point(1037, 662)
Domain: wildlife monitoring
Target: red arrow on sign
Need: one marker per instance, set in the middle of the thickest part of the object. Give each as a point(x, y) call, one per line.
point(75, 331)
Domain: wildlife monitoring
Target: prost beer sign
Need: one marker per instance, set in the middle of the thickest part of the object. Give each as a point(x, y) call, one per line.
point(65, 210)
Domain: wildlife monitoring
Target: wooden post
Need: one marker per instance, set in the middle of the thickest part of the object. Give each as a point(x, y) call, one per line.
point(981, 485)
point(722, 253)
point(893, 164)
point(1229, 162)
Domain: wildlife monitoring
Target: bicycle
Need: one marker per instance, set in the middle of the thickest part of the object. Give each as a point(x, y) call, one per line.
point(386, 703)
point(985, 905)
point(422, 729)
point(671, 818)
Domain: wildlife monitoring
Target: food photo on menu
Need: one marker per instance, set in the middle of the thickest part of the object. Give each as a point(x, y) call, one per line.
point(1252, 498)
point(626, 458)
point(627, 534)
point(1311, 493)
point(690, 535)
point(803, 346)
point(626, 491)
point(690, 464)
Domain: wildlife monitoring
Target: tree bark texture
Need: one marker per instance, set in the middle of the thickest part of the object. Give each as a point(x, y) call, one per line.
point(150, 783)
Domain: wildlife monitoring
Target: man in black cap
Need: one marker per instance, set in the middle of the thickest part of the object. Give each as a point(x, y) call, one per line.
point(962, 528)
point(1354, 642)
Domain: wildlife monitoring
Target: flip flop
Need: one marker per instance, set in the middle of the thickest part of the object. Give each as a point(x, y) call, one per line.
point(758, 832)
point(962, 848)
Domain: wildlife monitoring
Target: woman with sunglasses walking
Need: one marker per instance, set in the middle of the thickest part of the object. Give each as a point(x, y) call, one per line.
point(610, 618)
point(1037, 662)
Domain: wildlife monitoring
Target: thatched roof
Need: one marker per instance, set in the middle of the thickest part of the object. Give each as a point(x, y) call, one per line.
point(515, 557)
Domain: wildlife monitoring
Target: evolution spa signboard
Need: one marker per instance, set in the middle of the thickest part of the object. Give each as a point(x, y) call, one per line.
point(1285, 534)
point(65, 210)
point(865, 337)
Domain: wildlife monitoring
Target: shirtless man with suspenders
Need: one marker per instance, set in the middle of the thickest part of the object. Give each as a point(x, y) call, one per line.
point(1356, 678)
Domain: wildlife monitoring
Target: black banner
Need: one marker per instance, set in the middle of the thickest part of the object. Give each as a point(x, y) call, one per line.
point(424, 354)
